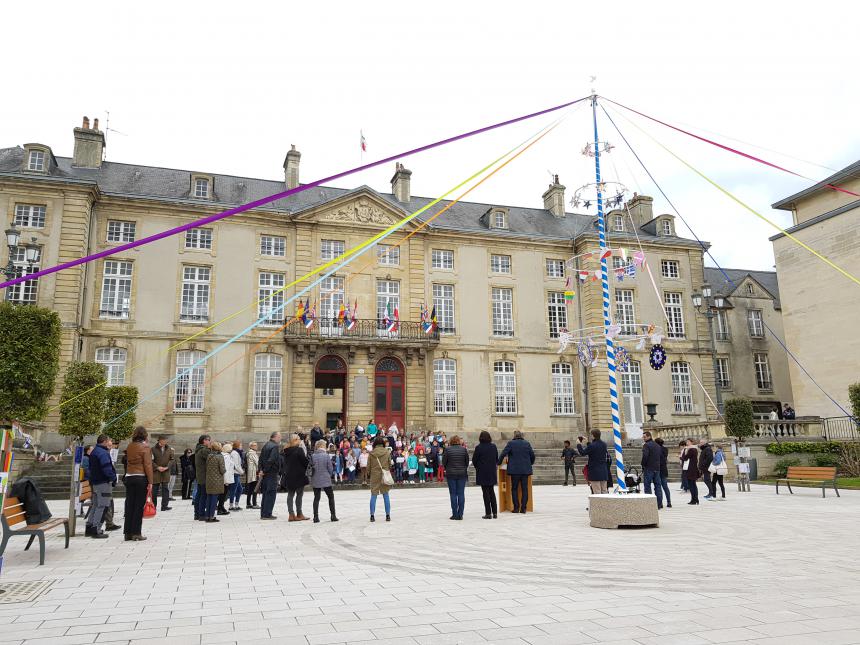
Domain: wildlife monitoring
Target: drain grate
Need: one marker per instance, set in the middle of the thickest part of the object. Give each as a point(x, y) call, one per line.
point(23, 591)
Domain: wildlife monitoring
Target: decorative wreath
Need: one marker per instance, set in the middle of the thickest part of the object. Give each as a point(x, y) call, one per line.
point(658, 357)
point(586, 354)
point(622, 359)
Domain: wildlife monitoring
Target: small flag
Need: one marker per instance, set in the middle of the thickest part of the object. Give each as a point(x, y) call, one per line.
point(630, 270)
point(309, 318)
point(394, 323)
point(430, 323)
point(386, 317)
point(639, 258)
point(568, 292)
point(363, 141)
point(583, 276)
point(624, 255)
point(606, 254)
point(341, 314)
point(354, 317)
point(300, 312)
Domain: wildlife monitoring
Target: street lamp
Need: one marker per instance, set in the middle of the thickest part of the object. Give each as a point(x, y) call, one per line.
point(709, 307)
point(31, 251)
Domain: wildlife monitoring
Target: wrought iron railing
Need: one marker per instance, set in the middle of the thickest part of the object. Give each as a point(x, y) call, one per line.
point(841, 429)
point(377, 330)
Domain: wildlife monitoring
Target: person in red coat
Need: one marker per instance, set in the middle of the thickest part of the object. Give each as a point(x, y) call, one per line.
point(690, 470)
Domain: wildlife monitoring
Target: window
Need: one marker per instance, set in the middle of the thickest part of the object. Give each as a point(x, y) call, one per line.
point(188, 396)
point(556, 313)
point(198, 238)
point(273, 246)
point(682, 391)
point(631, 390)
point(271, 298)
point(724, 378)
point(669, 269)
point(554, 268)
point(331, 249)
point(36, 160)
point(195, 294)
point(201, 188)
point(618, 223)
point(29, 216)
point(116, 290)
point(675, 312)
point(331, 298)
point(500, 263)
point(118, 231)
point(762, 372)
point(750, 289)
point(666, 226)
point(500, 220)
point(505, 381)
point(441, 259)
point(722, 325)
point(444, 386)
point(503, 312)
point(617, 262)
point(388, 255)
point(755, 322)
point(562, 388)
point(387, 298)
point(113, 358)
point(328, 391)
point(443, 303)
point(24, 292)
point(625, 315)
point(267, 382)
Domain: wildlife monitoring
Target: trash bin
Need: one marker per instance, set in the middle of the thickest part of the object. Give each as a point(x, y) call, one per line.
point(753, 468)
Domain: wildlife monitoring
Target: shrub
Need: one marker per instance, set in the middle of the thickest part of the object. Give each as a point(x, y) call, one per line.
point(849, 460)
point(29, 361)
point(780, 468)
point(739, 418)
point(854, 397)
point(84, 389)
point(813, 447)
point(118, 399)
point(828, 460)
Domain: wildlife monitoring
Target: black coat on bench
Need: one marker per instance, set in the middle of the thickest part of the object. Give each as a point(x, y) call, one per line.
point(28, 493)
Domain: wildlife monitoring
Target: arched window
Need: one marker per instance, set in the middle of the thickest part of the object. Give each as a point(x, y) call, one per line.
point(188, 396)
point(113, 358)
point(268, 374)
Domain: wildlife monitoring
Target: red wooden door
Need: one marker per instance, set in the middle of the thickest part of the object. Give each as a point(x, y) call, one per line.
point(390, 393)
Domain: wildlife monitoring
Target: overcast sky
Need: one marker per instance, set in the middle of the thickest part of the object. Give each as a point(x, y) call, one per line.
point(226, 87)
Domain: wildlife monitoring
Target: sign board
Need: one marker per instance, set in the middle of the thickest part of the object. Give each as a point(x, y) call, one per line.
point(359, 389)
point(743, 469)
point(743, 452)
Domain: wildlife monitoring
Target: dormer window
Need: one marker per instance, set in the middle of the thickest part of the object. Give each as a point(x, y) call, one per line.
point(36, 161)
point(618, 223)
point(666, 227)
point(500, 219)
point(201, 188)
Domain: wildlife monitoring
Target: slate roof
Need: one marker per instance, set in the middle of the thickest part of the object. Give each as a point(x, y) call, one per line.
point(835, 179)
point(721, 286)
point(150, 182)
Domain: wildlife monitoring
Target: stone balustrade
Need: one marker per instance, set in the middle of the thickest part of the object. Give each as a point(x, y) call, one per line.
point(695, 430)
point(805, 428)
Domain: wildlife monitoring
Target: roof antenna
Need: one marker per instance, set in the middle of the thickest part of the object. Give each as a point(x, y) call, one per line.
point(109, 129)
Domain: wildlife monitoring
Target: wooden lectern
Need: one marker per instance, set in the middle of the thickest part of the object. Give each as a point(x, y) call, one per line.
point(506, 502)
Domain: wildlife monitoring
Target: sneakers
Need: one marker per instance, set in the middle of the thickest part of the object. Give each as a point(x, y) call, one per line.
point(112, 527)
point(387, 518)
point(372, 519)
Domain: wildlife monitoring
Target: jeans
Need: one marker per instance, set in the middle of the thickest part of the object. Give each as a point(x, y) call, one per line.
point(520, 482)
point(490, 507)
point(328, 493)
point(165, 494)
point(385, 498)
point(269, 489)
point(717, 479)
point(653, 477)
point(296, 493)
point(186, 488)
point(398, 472)
point(135, 498)
point(200, 501)
point(251, 491)
point(211, 505)
point(457, 491)
point(706, 477)
point(236, 490)
point(664, 482)
point(694, 490)
point(569, 470)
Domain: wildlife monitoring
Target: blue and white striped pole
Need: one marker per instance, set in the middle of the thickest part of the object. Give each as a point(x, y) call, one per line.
point(610, 349)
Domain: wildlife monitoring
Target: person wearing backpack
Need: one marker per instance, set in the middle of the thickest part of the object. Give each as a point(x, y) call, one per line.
point(718, 468)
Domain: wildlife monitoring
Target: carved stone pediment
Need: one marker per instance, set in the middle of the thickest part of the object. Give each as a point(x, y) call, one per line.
point(360, 211)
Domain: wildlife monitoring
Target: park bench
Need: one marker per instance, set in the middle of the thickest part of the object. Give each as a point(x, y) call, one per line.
point(14, 523)
point(85, 500)
point(823, 475)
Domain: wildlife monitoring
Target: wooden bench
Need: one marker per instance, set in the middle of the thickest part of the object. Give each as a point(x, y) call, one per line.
point(85, 498)
point(824, 475)
point(14, 523)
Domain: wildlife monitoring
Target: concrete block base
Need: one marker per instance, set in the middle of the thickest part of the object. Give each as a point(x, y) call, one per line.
point(622, 511)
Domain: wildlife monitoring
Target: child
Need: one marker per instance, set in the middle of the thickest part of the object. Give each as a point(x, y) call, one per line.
point(350, 467)
point(412, 465)
point(362, 465)
point(399, 459)
point(338, 467)
point(440, 469)
point(422, 467)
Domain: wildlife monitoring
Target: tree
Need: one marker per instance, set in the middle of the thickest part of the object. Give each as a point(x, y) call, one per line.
point(118, 400)
point(739, 418)
point(84, 394)
point(854, 396)
point(29, 361)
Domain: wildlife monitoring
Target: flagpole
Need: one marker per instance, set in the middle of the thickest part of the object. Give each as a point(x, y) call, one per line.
point(610, 349)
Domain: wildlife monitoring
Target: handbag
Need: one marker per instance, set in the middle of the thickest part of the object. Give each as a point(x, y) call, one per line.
point(387, 479)
point(713, 468)
point(585, 472)
point(685, 465)
point(149, 506)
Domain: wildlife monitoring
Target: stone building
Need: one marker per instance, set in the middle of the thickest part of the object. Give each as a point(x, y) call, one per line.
point(495, 274)
point(819, 303)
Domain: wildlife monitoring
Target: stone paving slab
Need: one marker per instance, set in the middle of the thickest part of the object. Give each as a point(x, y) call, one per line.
point(755, 569)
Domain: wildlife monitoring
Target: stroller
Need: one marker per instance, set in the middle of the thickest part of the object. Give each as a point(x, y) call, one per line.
point(633, 479)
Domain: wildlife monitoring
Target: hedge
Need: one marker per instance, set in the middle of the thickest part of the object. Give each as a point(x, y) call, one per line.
point(119, 399)
point(812, 447)
point(84, 392)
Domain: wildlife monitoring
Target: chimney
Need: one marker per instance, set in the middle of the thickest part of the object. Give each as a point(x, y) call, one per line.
point(89, 145)
point(553, 198)
point(291, 167)
point(400, 183)
point(641, 209)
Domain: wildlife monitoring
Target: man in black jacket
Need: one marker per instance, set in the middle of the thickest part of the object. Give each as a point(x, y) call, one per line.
point(569, 457)
point(201, 453)
point(706, 456)
point(652, 454)
point(269, 468)
point(102, 480)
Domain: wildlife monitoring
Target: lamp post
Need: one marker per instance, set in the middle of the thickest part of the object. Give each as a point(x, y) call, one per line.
point(709, 306)
point(13, 240)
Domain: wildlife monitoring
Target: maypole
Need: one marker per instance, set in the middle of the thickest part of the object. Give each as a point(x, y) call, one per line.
point(604, 277)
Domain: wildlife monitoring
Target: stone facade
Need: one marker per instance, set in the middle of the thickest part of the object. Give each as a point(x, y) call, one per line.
point(137, 309)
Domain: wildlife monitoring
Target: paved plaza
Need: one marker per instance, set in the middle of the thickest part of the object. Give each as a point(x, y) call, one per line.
point(757, 568)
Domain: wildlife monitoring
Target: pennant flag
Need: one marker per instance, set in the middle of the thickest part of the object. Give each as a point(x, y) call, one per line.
point(354, 317)
point(639, 258)
point(630, 270)
point(363, 141)
point(607, 253)
point(596, 276)
point(583, 276)
point(624, 255)
point(568, 291)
